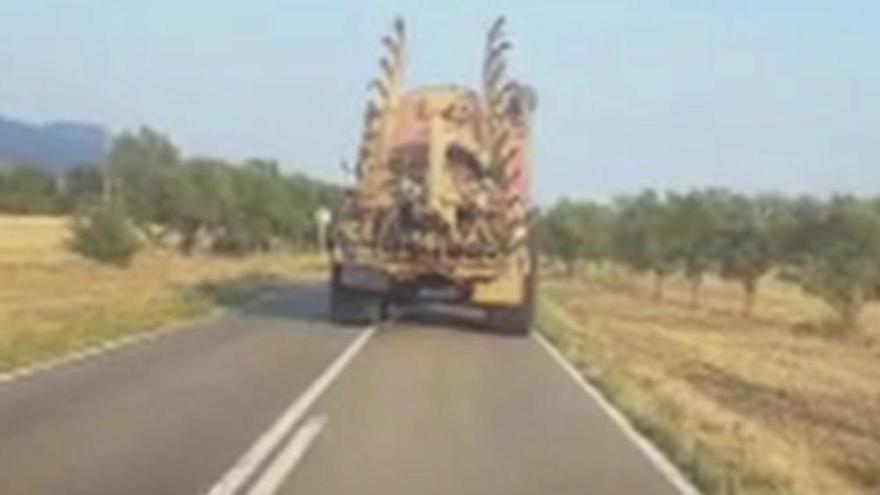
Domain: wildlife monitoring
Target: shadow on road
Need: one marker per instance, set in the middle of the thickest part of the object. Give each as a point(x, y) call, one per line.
point(270, 297)
point(459, 318)
point(238, 290)
point(306, 301)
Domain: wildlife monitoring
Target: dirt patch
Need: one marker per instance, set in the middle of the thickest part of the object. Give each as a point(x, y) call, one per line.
point(849, 425)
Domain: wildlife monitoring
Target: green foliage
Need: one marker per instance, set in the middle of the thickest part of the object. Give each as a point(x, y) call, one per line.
point(576, 230)
point(643, 237)
point(103, 233)
point(696, 221)
point(833, 251)
point(203, 195)
point(26, 188)
point(830, 248)
point(263, 207)
point(750, 240)
point(260, 209)
point(234, 209)
point(82, 185)
point(142, 169)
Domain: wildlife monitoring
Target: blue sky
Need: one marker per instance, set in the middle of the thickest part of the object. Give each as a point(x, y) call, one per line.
point(754, 95)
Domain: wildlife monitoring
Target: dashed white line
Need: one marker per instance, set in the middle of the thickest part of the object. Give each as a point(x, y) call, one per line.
point(666, 468)
point(247, 465)
point(287, 459)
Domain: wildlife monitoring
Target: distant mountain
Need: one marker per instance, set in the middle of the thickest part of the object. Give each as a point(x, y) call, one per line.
point(57, 146)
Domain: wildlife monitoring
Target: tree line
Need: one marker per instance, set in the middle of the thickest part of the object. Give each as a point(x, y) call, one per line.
point(147, 193)
point(28, 188)
point(829, 247)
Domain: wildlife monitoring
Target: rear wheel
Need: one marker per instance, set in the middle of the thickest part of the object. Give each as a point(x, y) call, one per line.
point(517, 320)
point(354, 306)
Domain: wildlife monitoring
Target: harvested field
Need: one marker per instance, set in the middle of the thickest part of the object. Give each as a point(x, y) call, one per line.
point(775, 403)
point(52, 301)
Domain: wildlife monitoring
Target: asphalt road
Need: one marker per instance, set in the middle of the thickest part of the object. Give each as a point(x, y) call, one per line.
point(273, 399)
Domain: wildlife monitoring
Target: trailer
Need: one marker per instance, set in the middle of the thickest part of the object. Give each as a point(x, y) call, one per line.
point(440, 207)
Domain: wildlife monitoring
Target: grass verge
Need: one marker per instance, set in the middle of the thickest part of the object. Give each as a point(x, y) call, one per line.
point(741, 405)
point(53, 303)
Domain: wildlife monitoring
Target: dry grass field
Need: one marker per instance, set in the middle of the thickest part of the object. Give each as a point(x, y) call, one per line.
point(769, 404)
point(52, 302)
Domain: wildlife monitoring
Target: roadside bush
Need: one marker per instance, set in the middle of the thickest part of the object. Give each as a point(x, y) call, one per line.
point(103, 233)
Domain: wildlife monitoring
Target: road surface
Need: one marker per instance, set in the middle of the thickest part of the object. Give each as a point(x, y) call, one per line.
point(273, 399)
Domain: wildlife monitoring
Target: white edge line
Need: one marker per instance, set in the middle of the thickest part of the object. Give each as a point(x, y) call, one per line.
point(654, 455)
point(248, 463)
point(98, 349)
point(288, 458)
point(118, 343)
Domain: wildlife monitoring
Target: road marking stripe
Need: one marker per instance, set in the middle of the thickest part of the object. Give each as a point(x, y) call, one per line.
point(288, 458)
point(97, 350)
point(657, 458)
point(238, 474)
point(118, 343)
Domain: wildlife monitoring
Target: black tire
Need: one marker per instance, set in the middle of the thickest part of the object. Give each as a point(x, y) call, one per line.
point(352, 306)
point(515, 320)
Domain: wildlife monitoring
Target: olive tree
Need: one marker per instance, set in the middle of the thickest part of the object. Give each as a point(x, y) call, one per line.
point(643, 238)
point(576, 230)
point(833, 252)
point(749, 241)
point(142, 171)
